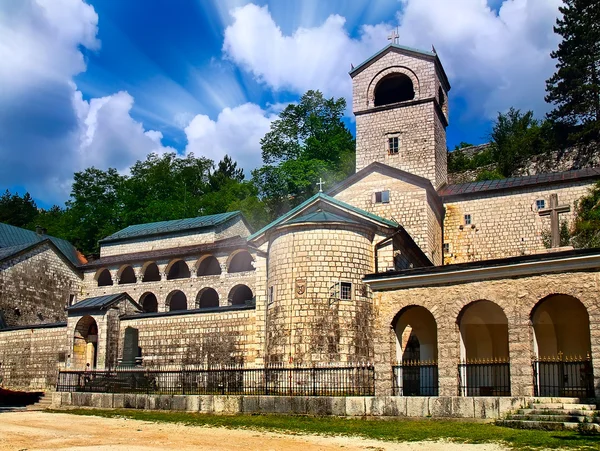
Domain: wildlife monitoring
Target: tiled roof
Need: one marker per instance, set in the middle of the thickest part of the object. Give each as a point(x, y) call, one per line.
point(227, 243)
point(165, 227)
point(15, 239)
point(99, 302)
point(465, 189)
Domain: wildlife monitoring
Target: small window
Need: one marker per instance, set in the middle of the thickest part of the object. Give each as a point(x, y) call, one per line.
point(345, 291)
point(62, 357)
point(540, 204)
point(382, 197)
point(467, 219)
point(446, 248)
point(271, 295)
point(71, 300)
point(393, 145)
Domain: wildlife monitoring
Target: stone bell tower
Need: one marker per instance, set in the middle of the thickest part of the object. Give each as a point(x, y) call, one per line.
point(400, 100)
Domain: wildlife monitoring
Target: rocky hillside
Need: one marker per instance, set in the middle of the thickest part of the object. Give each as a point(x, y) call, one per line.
point(559, 161)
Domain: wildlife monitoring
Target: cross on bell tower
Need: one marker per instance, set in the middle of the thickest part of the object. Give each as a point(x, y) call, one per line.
point(320, 183)
point(553, 212)
point(394, 37)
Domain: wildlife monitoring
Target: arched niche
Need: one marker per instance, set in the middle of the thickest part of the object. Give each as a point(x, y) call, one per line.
point(416, 351)
point(240, 261)
point(127, 275)
point(207, 298)
point(177, 300)
point(149, 302)
point(240, 295)
point(393, 88)
point(178, 269)
point(151, 272)
point(562, 348)
point(104, 278)
point(85, 343)
point(208, 266)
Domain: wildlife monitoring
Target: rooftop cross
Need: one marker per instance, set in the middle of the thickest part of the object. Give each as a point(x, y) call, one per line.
point(320, 183)
point(553, 212)
point(394, 37)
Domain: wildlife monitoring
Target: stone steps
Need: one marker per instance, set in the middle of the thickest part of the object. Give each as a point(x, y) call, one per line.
point(45, 402)
point(554, 415)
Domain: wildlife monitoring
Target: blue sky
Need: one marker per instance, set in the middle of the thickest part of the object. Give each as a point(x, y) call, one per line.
point(104, 83)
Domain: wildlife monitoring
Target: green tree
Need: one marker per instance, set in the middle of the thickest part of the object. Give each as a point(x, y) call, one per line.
point(575, 87)
point(586, 228)
point(16, 210)
point(309, 141)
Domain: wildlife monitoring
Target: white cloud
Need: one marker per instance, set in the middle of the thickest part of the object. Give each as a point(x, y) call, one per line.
point(48, 130)
point(236, 132)
point(494, 60)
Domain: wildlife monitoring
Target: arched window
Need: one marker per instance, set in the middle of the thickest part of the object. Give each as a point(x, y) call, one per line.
point(206, 298)
point(178, 270)
point(176, 300)
point(151, 273)
point(240, 262)
point(394, 88)
point(149, 303)
point(127, 276)
point(104, 278)
point(240, 295)
point(209, 266)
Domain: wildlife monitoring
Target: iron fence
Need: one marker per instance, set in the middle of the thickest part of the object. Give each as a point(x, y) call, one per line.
point(282, 381)
point(415, 378)
point(485, 377)
point(560, 376)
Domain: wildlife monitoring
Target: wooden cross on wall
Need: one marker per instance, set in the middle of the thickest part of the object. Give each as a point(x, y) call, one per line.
point(553, 212)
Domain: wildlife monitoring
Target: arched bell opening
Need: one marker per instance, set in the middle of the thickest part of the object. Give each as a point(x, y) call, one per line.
point(394, 88)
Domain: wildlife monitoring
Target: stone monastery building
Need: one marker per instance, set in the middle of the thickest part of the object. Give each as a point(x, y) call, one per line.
point(393, 266)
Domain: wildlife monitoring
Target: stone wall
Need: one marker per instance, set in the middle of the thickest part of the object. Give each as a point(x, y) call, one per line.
point(235, 227)
point(504, 224)
point(35, 287)
point(31, 357)
point(516, 297)
point(417, 122)
point(306, 321)
point(215, 338)
point(409, 205)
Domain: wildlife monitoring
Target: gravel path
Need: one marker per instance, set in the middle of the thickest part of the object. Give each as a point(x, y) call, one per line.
point(49, 431)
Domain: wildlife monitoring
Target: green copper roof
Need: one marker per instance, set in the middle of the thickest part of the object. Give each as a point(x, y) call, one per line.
point(326, 198)
point(396, 46)
point(165, 227)
point(15, 239)
point(100, 302)
point(321, 216)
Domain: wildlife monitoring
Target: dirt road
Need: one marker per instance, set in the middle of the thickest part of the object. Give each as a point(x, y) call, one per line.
point(50, 431)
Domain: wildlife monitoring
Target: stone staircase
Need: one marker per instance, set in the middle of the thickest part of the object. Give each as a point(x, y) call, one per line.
point(45, 402)
point(555, 415)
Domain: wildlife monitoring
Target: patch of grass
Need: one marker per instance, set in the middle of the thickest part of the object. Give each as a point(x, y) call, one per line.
point(389, 430)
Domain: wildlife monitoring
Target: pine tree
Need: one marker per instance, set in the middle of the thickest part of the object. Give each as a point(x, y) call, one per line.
point(575, 87)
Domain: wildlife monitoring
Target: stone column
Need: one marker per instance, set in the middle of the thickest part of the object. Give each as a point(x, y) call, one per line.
point(520, 351)
point(595, 342)
point(448, 357)
point(261, 293)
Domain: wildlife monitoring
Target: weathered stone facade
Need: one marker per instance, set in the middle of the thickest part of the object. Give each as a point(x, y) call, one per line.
point(36, 285)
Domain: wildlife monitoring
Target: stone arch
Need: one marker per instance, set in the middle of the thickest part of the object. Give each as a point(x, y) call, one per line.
point(391, 72)
point(149, 302)
point(103, 278)
point(208, 265)
point(240, 261)
point(176, 300)
point(85, 343)
point(562, 347)
point(150, 272)
point(484, 353)
point(240, 294)
point(126, 275)
point(177, 269)
point(416, 342)
point(207, 297)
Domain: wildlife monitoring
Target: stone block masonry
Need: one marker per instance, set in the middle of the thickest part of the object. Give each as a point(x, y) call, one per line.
point(30, 357)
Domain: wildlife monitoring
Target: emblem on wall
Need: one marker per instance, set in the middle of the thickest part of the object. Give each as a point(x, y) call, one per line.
point(300, 287)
